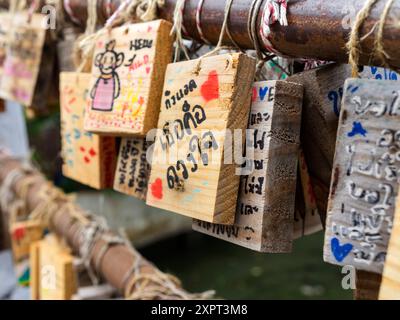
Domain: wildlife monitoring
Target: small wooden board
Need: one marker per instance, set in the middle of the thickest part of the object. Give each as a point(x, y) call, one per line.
point(23, 234)
point(203, 101)
point(265, 213)
point(365, 177)
point(127, 77)
point(23, 56)
point(52, 265)
point(133, 169)
point(390, 287)
point(88, 158)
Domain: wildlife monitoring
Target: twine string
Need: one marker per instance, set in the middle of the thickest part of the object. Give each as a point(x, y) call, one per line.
point(354, 43)
point(177, 29)
point(379, 50)
point(198, 22)
point(274, 11)
point(85, 44)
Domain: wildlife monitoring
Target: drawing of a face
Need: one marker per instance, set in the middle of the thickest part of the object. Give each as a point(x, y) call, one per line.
point(107, 87)
point(109, 60)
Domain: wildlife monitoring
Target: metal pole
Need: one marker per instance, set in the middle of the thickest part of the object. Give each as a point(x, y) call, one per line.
point(318, 29)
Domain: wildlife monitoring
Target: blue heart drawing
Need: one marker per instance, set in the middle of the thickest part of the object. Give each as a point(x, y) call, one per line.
point(340, 252)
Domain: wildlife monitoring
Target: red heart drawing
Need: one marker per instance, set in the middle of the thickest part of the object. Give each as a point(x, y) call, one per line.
point(18, 234)
point(210, 88)
point(157, 189)
point(254, 97)
point(149, 29)
point(87, 160)
point(148, 69)
point(92, 152)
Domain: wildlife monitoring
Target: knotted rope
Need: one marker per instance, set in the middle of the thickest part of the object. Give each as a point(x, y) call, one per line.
point(274, 11)
point(379, 51)
point(354, 43)
point(85, 45)
point(177, 29)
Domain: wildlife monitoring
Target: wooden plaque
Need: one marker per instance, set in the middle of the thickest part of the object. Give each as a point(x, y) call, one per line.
point(133, 169)
point(203, 101)
point(265, 213)
point(23, 234)
point(52, 265)
point(323, 92)
point(390, 287)
point(88, 158)
point(127, 77)
point(23, 56)
point(365, 176)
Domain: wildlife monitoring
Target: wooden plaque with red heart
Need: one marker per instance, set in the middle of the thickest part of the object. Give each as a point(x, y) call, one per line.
point(203, 101)
point(127, 77)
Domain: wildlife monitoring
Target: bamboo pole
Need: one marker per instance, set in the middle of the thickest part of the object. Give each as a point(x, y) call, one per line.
point(318, 29)
point(117, 261)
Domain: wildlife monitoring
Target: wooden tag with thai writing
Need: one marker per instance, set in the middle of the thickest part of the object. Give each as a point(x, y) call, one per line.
point(23, 56)
point(204, 100)
point(88, 158)
point(23, 234)
point(127, 77)
point(133, 170)
point(53, 270)
point(365, 176)
point(265, 213)
point(391, 274)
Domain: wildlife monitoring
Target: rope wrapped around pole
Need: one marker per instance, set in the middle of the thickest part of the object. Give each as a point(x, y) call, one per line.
point(108, 255)
point(317, 29)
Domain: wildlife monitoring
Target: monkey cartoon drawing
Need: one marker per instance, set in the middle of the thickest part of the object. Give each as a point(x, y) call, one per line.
point(108, 86)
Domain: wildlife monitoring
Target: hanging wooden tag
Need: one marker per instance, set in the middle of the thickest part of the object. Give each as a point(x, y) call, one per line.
point(203, 101)
point(23, 56)
point(127, 77)
point(391, 274)
point(23, 234)
point(133, 169)
point(265, 213)
point(88, 158)
point(365, 176)
point(53, 269)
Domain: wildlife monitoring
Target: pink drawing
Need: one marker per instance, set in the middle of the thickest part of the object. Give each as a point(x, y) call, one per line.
point(108, 86)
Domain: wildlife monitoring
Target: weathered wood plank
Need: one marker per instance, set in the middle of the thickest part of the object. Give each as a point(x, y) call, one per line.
point(204, 100)
point(265, 213)
point(365, 177)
